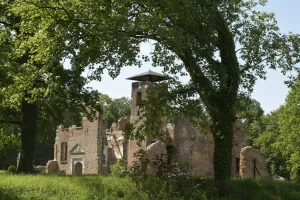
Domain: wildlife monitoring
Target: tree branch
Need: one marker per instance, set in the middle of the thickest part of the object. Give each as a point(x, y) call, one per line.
point(257, 63)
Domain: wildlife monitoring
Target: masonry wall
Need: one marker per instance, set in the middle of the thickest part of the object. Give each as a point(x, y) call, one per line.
point(132, 145)
point(196, 148)
point(88, 138)
point(252, 163)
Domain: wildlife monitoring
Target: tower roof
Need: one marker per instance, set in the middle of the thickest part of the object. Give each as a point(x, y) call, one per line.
point(149, 76)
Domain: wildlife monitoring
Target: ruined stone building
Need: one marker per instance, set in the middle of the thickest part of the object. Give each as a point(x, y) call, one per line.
point(81, 150)
point(91, 149)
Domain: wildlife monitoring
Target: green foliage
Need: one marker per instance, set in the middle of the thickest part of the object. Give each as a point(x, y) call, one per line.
point(12, 169)
point(119, 168)
point(67, 187)
point(248, 108)
point(264, 134)
point(289, 123)
point(113, 109)
point(277, 136)
point(150, 187)
point(35, 90)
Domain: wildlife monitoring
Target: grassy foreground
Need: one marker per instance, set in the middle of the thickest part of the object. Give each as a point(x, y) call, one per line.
point(110, 187)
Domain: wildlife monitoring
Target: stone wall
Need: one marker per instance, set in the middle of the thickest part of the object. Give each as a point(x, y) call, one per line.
point(84, 144)
point(132, 145)
point(195, 150)
point(170, 134)
point(116, 141)
point(196, 147)
point(252, 163)
point(240, 140)
point(52, 167)
point(157, 156)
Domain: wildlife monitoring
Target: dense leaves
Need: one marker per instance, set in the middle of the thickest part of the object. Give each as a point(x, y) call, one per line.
point(289, 123)
point(35, 89)
point(113, 109)
point(277, 136)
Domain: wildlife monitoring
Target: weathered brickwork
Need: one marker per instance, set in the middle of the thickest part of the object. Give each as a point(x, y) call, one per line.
point(136, 112)
point(116, 142)
point(52, 167)
point(252, 164)
point(156, 156)
point(196, 149)
point(84, 145)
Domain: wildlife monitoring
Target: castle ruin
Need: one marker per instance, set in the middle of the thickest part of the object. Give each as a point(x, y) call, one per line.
point(91, 149)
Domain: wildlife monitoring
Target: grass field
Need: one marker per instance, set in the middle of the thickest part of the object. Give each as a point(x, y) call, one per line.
point(109, 187)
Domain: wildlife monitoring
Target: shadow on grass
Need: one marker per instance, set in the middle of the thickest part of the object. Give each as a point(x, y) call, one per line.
point(7, 194)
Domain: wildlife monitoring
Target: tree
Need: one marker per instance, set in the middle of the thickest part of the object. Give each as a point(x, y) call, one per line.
point(265, 134)
point(34, 86)
point(248, 108)
point(199, 36)
point(289, 124)
point(113, 109)
point(9, 145)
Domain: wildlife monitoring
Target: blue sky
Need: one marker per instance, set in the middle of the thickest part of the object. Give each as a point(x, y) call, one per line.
point(270, 93)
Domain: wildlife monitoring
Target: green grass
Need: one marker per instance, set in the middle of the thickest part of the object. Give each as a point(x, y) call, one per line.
point(109, 187)
point(65, 187)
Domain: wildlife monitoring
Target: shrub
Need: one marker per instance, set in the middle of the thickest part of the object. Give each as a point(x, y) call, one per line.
point(12, 169)
point(295, 175)
point(118, 169)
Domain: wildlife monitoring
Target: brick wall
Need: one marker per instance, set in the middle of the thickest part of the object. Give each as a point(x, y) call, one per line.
point(196, 148)
point(252, 163)
point(90, 138)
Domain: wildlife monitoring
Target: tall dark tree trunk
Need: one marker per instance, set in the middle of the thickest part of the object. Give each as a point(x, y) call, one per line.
point(223, 120)
point(223, 136)
point(28, 136)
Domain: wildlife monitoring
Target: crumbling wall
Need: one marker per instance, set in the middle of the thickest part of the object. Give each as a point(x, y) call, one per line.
point(240, 140)
point(90, 140)
point(252, 163)
point(116, 141)
point(52, 167)
point(195, 147)
point(195, 150)
point(170, 134)
point(157, 156)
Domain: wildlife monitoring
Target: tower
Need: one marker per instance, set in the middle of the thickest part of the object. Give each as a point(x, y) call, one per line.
point(138, 94)
point(139, 90)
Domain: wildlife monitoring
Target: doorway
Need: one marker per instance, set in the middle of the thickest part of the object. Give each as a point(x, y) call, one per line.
point(78, 168)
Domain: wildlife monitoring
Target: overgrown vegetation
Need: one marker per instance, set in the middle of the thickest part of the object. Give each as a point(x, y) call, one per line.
point(112, 187)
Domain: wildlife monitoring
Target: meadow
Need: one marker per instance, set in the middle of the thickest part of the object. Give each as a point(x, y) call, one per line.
point(36, 187)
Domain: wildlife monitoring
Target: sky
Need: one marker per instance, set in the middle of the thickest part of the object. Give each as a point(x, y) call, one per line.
point(271, 93)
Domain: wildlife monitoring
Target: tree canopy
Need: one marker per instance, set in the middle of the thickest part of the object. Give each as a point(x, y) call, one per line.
point(113, 109)
point(277, 136)
point(35, 89)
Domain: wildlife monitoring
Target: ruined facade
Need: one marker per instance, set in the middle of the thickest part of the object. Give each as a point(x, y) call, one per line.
point(82, 150)
point(91, 149)
point(196, 149)
point(253, 164)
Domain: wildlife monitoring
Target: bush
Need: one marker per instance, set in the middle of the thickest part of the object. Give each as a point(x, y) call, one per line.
point(295, 175)
point(12, 169)
point(118, 169)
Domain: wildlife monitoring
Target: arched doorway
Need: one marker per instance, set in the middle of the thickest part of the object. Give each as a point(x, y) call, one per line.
point(78, 168)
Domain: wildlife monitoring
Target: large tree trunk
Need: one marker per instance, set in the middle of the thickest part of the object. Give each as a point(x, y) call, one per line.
point(28, 136)
point(223, 158)
point(222, 130)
